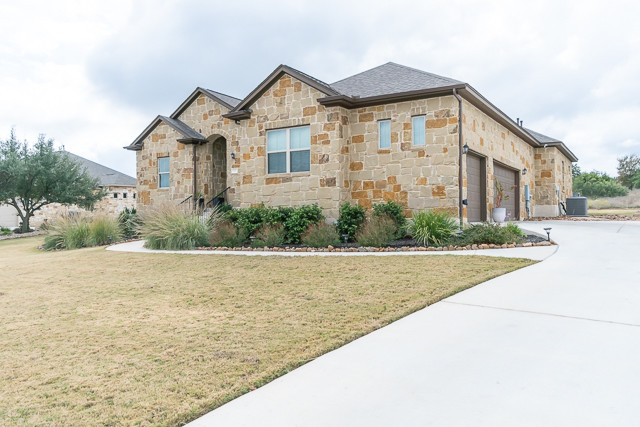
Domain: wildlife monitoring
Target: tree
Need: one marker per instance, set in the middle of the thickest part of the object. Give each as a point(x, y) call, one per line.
point(628, 167)
point(598, 184)
point(575, 170)
point(33, 177)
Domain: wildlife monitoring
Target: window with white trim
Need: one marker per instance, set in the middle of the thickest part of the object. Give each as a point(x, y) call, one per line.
point(289, 150)
point(418, 130)
point(384, 134)
point(163, 172)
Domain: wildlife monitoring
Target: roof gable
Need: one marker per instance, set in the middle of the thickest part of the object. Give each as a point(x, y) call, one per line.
point(180, 127)
point(274, 77)
point(106, 176)
point(225, 100)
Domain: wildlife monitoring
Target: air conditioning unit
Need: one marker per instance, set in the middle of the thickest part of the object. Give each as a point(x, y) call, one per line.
point(577, 206)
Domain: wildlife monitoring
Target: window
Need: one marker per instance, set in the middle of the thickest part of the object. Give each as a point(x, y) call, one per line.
point(115, 195)
point(288, 150)
point(384, 132)
point(163, 172)
point(124, 195)
point(417, 126)
point(134, 195)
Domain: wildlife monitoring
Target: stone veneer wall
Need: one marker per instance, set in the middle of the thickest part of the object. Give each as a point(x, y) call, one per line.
point(418, 177)
point(554, 181)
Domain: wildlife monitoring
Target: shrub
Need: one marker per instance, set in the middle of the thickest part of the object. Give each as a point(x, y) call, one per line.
point(299, 221)
point(395, 211)
point(490, 233)
point(350, 220)
point(68, 232)
point(104, 231)
point(129, 222)
point(598, 184)
point(4, 231)
point(378, 231)
point(226, 234)
point(170, 227)
point(270, 235)
point(247, 219)
point(321, 235)
point(432, 227)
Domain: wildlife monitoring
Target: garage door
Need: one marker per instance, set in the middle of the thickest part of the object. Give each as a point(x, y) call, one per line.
point(476, 194)
point(509, 179)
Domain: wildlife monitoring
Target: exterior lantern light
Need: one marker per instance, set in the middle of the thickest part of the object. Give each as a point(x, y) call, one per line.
point(524, 171)
point(233, 156)
point(465, 149)
point(548, 230)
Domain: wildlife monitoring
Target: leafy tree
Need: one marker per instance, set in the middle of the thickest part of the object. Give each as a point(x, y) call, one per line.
point(628, 168)
point(598, 184)
point(576, 171)
point(33, 177)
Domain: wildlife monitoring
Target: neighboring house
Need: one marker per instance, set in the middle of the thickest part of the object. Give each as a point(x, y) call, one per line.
point(121, 193)
point(391, 132)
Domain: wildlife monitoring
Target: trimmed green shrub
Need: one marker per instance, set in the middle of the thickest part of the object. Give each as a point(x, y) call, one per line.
point(488, 233)
point(395, 211)
point(299, 221)
point(378, 231)
point(432, 227)
point(104, 231)
point(129, 222)
point(598, 184)
point(270, 235)
point(321, 235)
point(4, 231)
point(170, 227)
point(227, 235)
point(350, 220)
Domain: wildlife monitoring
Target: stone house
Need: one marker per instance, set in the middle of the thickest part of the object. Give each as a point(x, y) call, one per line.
point(121, 193)
point(391, 132)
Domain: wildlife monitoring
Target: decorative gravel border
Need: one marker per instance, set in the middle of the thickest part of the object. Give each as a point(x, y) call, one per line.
point(23, 235)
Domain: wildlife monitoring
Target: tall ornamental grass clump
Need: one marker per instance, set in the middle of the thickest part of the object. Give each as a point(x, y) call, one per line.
point(395, 211)
point(74, 231)
point(174, 228)
point(432, 227)
point(490, 233)
point(321, 235)
point(377, 232)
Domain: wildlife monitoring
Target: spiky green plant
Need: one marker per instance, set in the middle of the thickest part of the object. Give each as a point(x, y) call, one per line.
point(174, 228)
point(432, 227)
point(104, 231)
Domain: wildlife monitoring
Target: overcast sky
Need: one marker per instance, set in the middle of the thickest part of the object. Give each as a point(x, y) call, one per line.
point(93, 75)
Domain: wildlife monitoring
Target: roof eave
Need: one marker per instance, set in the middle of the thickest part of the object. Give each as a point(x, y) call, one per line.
point(238, 115)
point(194, 95)
point(355, 102)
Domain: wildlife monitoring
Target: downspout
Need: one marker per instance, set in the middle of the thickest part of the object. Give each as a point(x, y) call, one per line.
point(195, 182)
point(460, 212)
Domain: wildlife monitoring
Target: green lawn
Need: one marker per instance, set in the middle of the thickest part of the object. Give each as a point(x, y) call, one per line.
point(90, 337)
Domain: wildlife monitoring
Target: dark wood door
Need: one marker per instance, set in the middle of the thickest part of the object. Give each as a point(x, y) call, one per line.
point(476, 189)
point(509, 180)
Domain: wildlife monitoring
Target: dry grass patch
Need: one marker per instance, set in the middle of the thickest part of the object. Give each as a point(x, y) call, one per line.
point(94, 337)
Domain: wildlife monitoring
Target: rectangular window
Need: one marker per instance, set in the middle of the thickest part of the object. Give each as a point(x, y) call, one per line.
point(124, 195)
point(384, 132)
point(288, 150)
point(417, 127)
point(115, 195)
point(163, 172)
point(134, 195)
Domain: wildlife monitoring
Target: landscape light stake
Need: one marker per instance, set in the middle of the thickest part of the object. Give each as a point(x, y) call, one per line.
point(345, 237)
point(548, 230)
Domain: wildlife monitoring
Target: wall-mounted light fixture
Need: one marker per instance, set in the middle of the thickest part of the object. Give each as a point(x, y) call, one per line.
point(233, 156)
point(465, 149)
point(524, 171)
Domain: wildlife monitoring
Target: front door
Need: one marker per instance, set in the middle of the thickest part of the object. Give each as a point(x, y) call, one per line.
point(476, 189)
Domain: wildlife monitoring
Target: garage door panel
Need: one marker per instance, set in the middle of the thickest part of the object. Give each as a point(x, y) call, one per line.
point(476, 199)
point(509, 179)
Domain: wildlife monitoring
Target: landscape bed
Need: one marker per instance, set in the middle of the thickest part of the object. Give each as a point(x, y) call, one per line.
point(93, 337)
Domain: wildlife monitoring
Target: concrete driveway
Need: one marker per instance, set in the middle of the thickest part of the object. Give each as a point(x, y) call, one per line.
point(555, 344)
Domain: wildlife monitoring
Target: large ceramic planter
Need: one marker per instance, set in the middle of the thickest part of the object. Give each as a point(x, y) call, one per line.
point(499, 214)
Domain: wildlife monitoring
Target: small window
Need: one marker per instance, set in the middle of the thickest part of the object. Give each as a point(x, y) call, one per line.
point(384, 131)
point(418, 130)
point(288, 150)
point(163, 172)
point(115, 195)
point(134, 195)
point(124, 195)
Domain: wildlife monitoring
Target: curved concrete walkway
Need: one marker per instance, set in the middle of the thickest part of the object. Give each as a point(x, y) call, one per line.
point(557, 343)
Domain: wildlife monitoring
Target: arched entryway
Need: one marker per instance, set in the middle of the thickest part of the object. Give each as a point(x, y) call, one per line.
point(216, 165)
